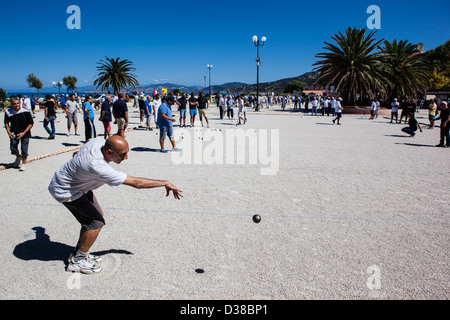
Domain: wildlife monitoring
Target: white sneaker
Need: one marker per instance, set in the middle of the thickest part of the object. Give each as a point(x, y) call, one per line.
point(22, 168)
point(83, 265)
point(90, 257)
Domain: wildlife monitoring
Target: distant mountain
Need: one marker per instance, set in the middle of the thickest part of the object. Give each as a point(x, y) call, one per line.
point(232, 87)
point(278, 86)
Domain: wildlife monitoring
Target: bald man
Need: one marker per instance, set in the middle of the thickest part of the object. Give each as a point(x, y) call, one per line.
point(88, 170)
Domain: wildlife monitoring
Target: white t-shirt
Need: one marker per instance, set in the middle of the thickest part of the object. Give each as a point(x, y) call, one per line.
point(333, 104)
point(87, 170)
point(27, 103)
point(337, 107)
point(156, 104)
point(395, 106)
point(222, 103)
point(314, 103)
point(72, 106)
point(375, 106)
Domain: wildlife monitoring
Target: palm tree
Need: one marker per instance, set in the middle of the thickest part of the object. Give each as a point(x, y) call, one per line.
point(115, 73)
point(352, 64)
point(407, 70)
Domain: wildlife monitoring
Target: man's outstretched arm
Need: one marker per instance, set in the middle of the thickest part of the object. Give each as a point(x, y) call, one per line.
point(144, 183)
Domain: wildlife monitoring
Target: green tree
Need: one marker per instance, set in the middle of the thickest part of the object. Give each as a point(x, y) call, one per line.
point(115, 73)
point(407, 71)
point(294, 85)
point(70, 82)
point(352, 64)
point(3, 94)
point(34, 82)
point(439, 58)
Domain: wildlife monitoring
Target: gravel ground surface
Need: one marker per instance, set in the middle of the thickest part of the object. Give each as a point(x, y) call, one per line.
point(357, 211)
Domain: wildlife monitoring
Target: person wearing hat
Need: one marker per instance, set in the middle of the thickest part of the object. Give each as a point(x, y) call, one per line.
point(165, 123)
point(338, 110)
point(394, 110)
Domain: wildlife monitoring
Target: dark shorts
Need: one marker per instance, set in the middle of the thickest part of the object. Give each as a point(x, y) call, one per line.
point(339, 115)
point(87, 211)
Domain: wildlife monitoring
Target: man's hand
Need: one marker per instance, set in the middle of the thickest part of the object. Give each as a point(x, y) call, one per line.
point(176, 192)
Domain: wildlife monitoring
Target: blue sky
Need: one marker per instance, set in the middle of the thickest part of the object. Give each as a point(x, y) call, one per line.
point(174, 41)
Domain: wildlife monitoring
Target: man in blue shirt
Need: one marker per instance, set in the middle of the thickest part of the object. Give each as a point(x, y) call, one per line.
point(62, 100)
point(148, 113)
point(89, 128)
point(165, 123)
point(33, 104)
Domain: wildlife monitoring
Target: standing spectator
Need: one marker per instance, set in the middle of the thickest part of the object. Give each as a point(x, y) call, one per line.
point(33, 104)
point(314, 106)
point(18, 123)
point(141, 103)
point(338, 110)
point(62, 101)
point(307, 99)
point(193, 103)
point(182, 106)
point(19, 96)
point(394, 110)
point(49, 116)
point(203, 105)
point(165, 123)
point(412, 106)
point(445, 125)
point(222, 106)
point(375, 106)
point(120, 113)
point(230, 105)
point(148, 113)
point(432, 113)
point(240, 105)
point(333, 106)
point(135, 99)
point(404, 105)
point(71, 114)
point(26, 103)
point(105, 116)
point(413, 125)
point(88, 111)
point(156, 103)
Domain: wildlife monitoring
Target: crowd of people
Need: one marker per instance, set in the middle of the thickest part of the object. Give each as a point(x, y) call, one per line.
point(156, 112)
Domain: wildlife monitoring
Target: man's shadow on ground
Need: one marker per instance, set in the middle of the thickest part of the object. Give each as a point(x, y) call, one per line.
point(43, 249)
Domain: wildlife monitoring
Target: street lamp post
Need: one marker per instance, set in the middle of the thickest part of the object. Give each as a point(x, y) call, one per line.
point(59, 85)
point(258, 43)
point(209, 66)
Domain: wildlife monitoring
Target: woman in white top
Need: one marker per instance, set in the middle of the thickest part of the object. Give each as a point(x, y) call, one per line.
point(240, 105)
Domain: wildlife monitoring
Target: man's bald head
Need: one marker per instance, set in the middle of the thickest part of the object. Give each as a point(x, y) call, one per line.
point(116, 149)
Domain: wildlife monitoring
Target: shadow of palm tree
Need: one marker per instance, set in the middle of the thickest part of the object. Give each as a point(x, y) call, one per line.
point(43, 249)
